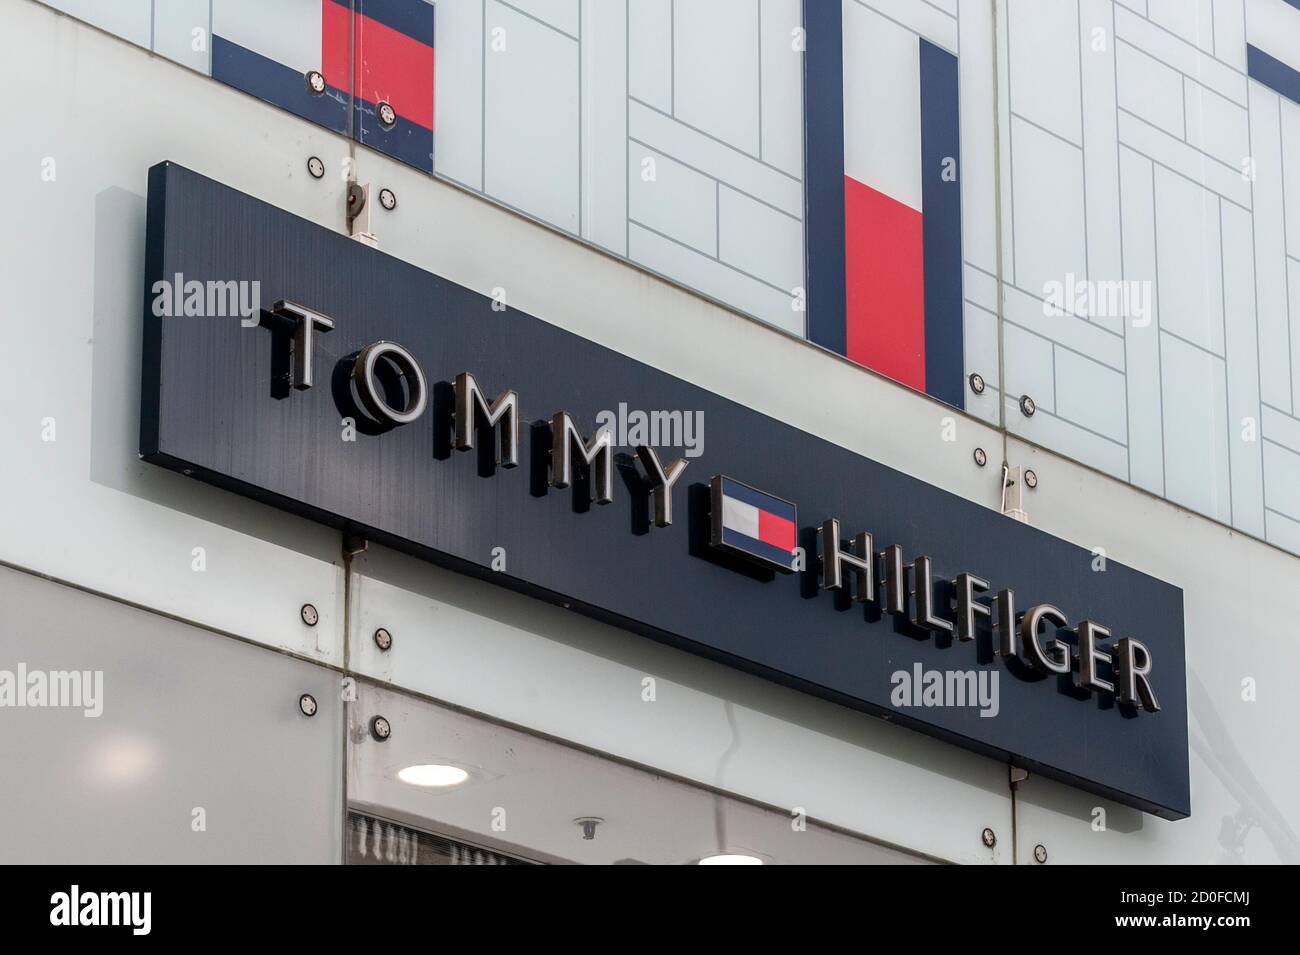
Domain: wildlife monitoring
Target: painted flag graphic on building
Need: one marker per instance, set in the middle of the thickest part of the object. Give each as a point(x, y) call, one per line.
point(884, 230)
point(368, 51)
point(753, 525)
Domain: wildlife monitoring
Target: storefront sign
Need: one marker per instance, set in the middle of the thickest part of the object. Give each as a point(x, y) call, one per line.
point(351, 396)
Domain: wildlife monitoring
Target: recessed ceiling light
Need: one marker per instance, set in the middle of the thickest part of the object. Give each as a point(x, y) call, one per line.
point(731, 858)
point(433, 775)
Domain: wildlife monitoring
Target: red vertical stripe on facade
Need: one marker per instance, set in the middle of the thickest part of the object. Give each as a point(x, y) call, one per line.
point(336, 44)
point(884, 284)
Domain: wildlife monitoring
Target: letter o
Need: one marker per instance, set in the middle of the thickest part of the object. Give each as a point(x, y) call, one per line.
point(363, 373)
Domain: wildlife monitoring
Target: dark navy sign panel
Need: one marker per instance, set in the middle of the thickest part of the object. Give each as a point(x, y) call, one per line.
point(215, 404)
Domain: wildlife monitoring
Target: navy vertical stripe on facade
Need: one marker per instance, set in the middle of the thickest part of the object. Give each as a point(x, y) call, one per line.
point(1273, 73)
point(941, 225)
point(823, 100)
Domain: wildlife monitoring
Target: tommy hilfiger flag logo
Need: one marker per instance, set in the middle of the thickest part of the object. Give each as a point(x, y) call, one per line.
point(753, 525)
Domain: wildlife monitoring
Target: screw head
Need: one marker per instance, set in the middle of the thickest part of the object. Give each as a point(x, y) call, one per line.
point(380, 728)
point(1031, 479)
point(387, 115)
point(981, 457)
point(383, 639)
point(977, 383)
point(1040, 853)
point(307, 704)
point(989, 837)
point(315, 82)
point(315, 167)
point(387, 199)
point(1027, 406)
point(309, 615)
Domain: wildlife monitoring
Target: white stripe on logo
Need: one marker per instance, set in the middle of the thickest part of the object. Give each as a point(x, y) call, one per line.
point(740, 517)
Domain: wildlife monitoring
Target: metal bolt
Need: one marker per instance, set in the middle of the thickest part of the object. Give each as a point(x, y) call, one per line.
point(588, 824)
point(977, 383)
point(309, 615)
point(1040, 853)
point(387, 199)
point(989, 838)
point(1031, 479)
point(380, 728)
point(1027, 406)
point(981, 457)
point(307, 704)
point(315, 82)
point(315, 167)
point(383, 639)
point(387, 115)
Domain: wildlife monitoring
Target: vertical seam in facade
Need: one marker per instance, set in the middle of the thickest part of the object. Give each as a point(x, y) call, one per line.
point(997, 221)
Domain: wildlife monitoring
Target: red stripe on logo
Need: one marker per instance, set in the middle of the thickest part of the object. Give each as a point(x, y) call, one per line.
point(884, 284)
point(776, 531)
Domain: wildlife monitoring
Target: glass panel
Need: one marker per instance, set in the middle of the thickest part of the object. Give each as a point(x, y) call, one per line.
point(142, 740)
point(506, 791)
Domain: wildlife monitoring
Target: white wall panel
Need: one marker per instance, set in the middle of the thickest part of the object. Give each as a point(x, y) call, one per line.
point(1149, 88)
point(781, 78)
point(1195, 428)
point(1275, 369)
point(458, 66)
point(1189, 268)
point(1049, 208)
point(1044, 54)
point(715, 70)
point(1216, 125)
point(88, 510)
point(650, 52)
point(531, 120)
point(678, 202)
point(182, 32)
point(129, 19)
point(604, 54)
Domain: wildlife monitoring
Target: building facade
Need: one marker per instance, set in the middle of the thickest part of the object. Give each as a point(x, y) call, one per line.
point(1043, 257)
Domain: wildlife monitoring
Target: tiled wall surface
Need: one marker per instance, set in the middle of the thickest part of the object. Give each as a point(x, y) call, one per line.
point(1138, 147)
point(1148, 148)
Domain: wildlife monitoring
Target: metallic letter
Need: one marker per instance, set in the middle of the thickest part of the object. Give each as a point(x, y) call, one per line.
point(1008, 645)
point(1033, 652)
point(1132, 675)
point(893, 579)
point(305, 323)
point(1089, 653)
point(967, 585)
point(363, 373)
point(471, 408)
point(923, 599)
point(598, 454)
point(859, 558)
point(661, 481)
